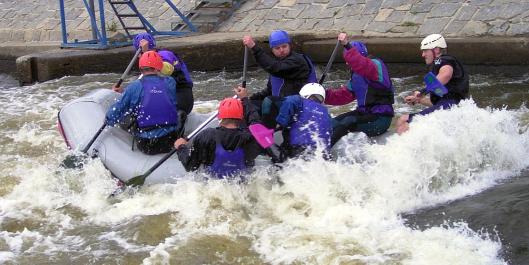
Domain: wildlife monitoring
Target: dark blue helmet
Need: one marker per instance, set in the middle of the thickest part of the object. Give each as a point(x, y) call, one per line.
point(278, 37)
point(144, 36)
point(360, 47)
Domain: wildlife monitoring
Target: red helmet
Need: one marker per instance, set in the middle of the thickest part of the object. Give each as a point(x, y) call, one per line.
point(151, 59)
point(230, 108)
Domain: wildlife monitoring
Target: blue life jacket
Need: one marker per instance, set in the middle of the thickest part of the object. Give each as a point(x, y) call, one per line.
point(373, 96)
point(278, 82)
point(156, 108)
point(311, 121)
point(226, 163)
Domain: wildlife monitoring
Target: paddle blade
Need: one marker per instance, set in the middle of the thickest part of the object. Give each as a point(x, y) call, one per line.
point(263, 135)
point(433, 85)
point(136, 181)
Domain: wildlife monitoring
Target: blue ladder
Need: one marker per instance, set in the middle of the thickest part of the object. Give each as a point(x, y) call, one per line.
point(100, 40)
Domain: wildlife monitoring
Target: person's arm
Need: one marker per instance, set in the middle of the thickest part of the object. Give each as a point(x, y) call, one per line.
point(294, 66)
point(200, 152)
point(418, 97)
point(124, 105)
point(361, 65)
point(445, 74)
point(288, 109)
point(251, 115)
point(339, 96)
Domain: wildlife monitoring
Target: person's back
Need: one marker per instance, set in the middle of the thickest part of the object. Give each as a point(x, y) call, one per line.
point(223, 151)
point(305, 120)
point(151, 104)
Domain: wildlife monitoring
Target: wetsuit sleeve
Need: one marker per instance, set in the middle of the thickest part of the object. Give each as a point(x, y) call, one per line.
point(294, 66)
point(361, 65)
point(201, 151)
point(339, 96)
point(180, 76)
point(288, 109)
point(125, 105)
point(251, 115)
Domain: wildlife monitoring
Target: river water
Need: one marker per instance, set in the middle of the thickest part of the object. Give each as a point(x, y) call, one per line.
point(393, 200)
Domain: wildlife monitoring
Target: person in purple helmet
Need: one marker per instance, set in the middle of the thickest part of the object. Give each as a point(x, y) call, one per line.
point(177, 69)
point(370, 85)
point(288, 72)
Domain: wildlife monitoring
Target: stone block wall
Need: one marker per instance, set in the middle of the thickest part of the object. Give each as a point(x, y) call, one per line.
point(386, 18)
point(39, 20)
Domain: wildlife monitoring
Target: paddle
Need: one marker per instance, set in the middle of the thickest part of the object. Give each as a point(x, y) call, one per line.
point(433, 85)
point(140, 180)
point(75, 161)
point(245, 66)
point(329, 64)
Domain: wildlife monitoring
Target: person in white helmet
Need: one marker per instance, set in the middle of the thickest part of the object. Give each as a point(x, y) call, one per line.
point(448, 71)
point(305, 121)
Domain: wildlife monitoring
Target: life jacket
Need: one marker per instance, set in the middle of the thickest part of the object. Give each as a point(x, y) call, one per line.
point(278, 82)
point(312, 121)
point(372, 96)
point(458, 86)
point(226, 163)
point(156, 109)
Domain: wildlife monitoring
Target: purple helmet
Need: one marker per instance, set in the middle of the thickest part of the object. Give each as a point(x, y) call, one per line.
point(168, 56)
point(360, 47)
point(144, 36)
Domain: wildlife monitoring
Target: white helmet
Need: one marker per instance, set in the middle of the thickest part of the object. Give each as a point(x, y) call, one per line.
point(312, 89)
point(433, 41)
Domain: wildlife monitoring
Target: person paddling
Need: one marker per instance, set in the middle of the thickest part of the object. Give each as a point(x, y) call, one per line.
point(288, 72)
point(305, 121)
point(150, 104)
point(173, 66)
point(446, 70)
point(225, 151)
point(372, 88)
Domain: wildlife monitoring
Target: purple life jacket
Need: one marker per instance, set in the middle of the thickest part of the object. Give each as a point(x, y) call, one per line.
point(372, 96)
point(226, 163)
point(156, 108)
point(312, 121)
point(278, 82)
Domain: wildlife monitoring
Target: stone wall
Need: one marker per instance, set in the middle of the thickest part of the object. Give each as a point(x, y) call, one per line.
point(39, 20)
point(388, 18)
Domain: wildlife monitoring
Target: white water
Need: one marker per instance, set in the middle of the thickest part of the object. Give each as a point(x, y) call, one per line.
point(319, 212)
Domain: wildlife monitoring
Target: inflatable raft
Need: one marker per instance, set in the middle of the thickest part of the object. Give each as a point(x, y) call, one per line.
point(80, 119)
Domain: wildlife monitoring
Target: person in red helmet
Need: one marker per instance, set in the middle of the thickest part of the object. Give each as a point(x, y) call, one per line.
point(225, 151)
point(147, 108)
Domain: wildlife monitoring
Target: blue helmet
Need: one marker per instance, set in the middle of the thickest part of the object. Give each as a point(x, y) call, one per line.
point(278, 37)
point(360, 47)
point(144, 36)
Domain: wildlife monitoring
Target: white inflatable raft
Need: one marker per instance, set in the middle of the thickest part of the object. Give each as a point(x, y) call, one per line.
point(80, 119)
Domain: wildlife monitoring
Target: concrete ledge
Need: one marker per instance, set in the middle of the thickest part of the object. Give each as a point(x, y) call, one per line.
point(217, 51)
